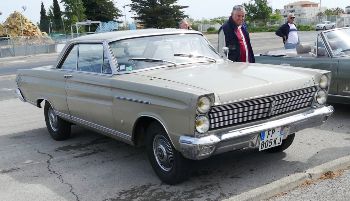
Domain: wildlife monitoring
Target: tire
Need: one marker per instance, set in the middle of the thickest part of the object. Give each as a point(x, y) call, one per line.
point(58, 128)
point(285, 144)
point(169, 164)
point(324, 28)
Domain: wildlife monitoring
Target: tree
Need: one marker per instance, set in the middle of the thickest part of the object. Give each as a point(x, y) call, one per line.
point(334, 11)
point(74, 11)
point(258, 10)
point(57, 16)
point(101, 10)
point(276, 16)
point(44, 20)
point(158, 13)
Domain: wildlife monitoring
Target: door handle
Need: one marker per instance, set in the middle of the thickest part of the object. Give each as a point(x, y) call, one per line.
point(68, 76)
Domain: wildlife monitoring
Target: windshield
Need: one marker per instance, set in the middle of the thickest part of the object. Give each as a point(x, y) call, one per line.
point(172, 50)
point(339, 41)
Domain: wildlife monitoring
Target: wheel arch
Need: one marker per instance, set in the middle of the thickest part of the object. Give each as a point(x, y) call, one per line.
point(140, 128)
point(39, 102)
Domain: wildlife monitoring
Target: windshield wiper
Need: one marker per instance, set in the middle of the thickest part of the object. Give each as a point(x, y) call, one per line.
point(345, 50)
point(195, 56)
point(152, 60)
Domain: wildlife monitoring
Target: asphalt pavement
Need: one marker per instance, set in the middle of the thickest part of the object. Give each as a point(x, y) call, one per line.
point(332, 186)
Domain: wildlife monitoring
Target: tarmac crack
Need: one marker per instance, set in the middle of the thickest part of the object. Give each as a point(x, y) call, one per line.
point(59, 176)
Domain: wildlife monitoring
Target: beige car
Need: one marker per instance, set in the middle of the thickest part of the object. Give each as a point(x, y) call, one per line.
point(170, 91)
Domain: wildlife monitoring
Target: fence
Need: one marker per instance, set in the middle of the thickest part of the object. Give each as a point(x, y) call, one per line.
point(341, 21)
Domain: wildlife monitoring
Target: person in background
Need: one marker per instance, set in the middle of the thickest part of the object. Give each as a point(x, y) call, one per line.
point(289, 33)
point(184, 24)
point(233, 34)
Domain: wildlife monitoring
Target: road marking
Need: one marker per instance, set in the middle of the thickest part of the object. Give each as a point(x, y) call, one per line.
point(6, 89)
point(8, 77)
point(18, 61)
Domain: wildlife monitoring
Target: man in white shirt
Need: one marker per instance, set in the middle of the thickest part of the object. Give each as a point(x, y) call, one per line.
point(289, 33)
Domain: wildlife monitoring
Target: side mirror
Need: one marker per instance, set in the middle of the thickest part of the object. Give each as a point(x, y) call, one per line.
point(225, 50)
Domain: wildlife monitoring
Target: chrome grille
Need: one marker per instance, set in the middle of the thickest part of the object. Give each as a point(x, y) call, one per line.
point(246, 111)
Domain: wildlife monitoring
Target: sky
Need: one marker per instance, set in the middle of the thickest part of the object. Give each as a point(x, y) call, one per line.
point(198, 9)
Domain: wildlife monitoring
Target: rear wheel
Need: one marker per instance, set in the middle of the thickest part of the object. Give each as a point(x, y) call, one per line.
point(58, 128)
point(168, 163)
point(285, 144)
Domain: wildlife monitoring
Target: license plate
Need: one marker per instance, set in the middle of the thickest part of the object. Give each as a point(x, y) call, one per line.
point(270, 138)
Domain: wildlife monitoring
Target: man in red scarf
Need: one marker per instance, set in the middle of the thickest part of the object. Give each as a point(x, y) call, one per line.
point(236, 37)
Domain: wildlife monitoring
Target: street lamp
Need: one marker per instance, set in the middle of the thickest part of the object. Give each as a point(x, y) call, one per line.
point(125, 14)
point(24, 8)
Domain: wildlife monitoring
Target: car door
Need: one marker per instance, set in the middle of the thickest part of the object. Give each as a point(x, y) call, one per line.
point(344, 77)
point(88, 88)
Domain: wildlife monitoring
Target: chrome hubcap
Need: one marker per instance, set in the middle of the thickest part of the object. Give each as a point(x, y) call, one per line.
point(53, 119)
point(163, 152)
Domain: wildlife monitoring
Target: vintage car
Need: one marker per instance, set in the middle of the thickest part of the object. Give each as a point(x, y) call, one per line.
point(331, 52)
point(170, 91)
point(325, 25)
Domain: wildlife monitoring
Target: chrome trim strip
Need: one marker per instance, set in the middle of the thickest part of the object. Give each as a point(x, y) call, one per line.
point(95, 126)
point(19, 95)
point(133, 100)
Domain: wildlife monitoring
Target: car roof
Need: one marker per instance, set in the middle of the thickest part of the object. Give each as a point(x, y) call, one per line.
point(118, 35)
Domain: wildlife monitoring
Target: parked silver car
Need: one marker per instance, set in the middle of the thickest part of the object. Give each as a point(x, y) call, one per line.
point(170, 91)
point(325, 25)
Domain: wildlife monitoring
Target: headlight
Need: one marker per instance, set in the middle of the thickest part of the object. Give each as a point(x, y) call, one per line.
point(324, 82)
point(321, 97)
point(203, 104)
point(202, 124)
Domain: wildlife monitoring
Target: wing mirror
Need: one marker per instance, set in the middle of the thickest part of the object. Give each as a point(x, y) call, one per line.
point(225, 50)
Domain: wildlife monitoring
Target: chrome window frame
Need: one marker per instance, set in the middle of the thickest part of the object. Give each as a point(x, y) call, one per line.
point(106, 54)
point(326, 43)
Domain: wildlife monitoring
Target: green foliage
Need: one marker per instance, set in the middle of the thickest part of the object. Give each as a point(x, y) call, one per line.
point(101, 10)
point(218, 20)
point(158, 13)
point(74, 11)
point(276, 17)
point(257, 10)
point(305, 28)
point(57, 16)
point(331, 12)
point(212, 30)
point(252, 29)
point(44, 20)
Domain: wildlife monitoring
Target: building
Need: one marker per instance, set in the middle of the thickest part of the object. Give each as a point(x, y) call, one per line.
point(305, 11)
point(347, 9)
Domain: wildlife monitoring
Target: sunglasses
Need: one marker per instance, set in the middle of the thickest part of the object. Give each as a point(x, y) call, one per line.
point(292, 17)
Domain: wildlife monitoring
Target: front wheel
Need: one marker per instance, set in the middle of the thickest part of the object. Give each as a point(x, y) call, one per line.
point(58, 128)
point(168, 163)
point(285, 144)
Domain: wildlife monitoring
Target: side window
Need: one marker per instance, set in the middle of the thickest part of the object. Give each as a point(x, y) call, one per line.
point(70, 63)
point(90, 58)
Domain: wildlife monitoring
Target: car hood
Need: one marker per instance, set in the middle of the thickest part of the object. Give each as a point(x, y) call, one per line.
point(231, 82)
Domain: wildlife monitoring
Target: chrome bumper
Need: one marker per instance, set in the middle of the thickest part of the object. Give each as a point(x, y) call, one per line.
point(200, 148)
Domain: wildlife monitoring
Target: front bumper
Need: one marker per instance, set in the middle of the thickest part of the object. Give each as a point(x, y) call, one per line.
point(200, 148)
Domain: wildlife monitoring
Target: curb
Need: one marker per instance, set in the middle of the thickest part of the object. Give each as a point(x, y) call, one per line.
point(292, 181)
